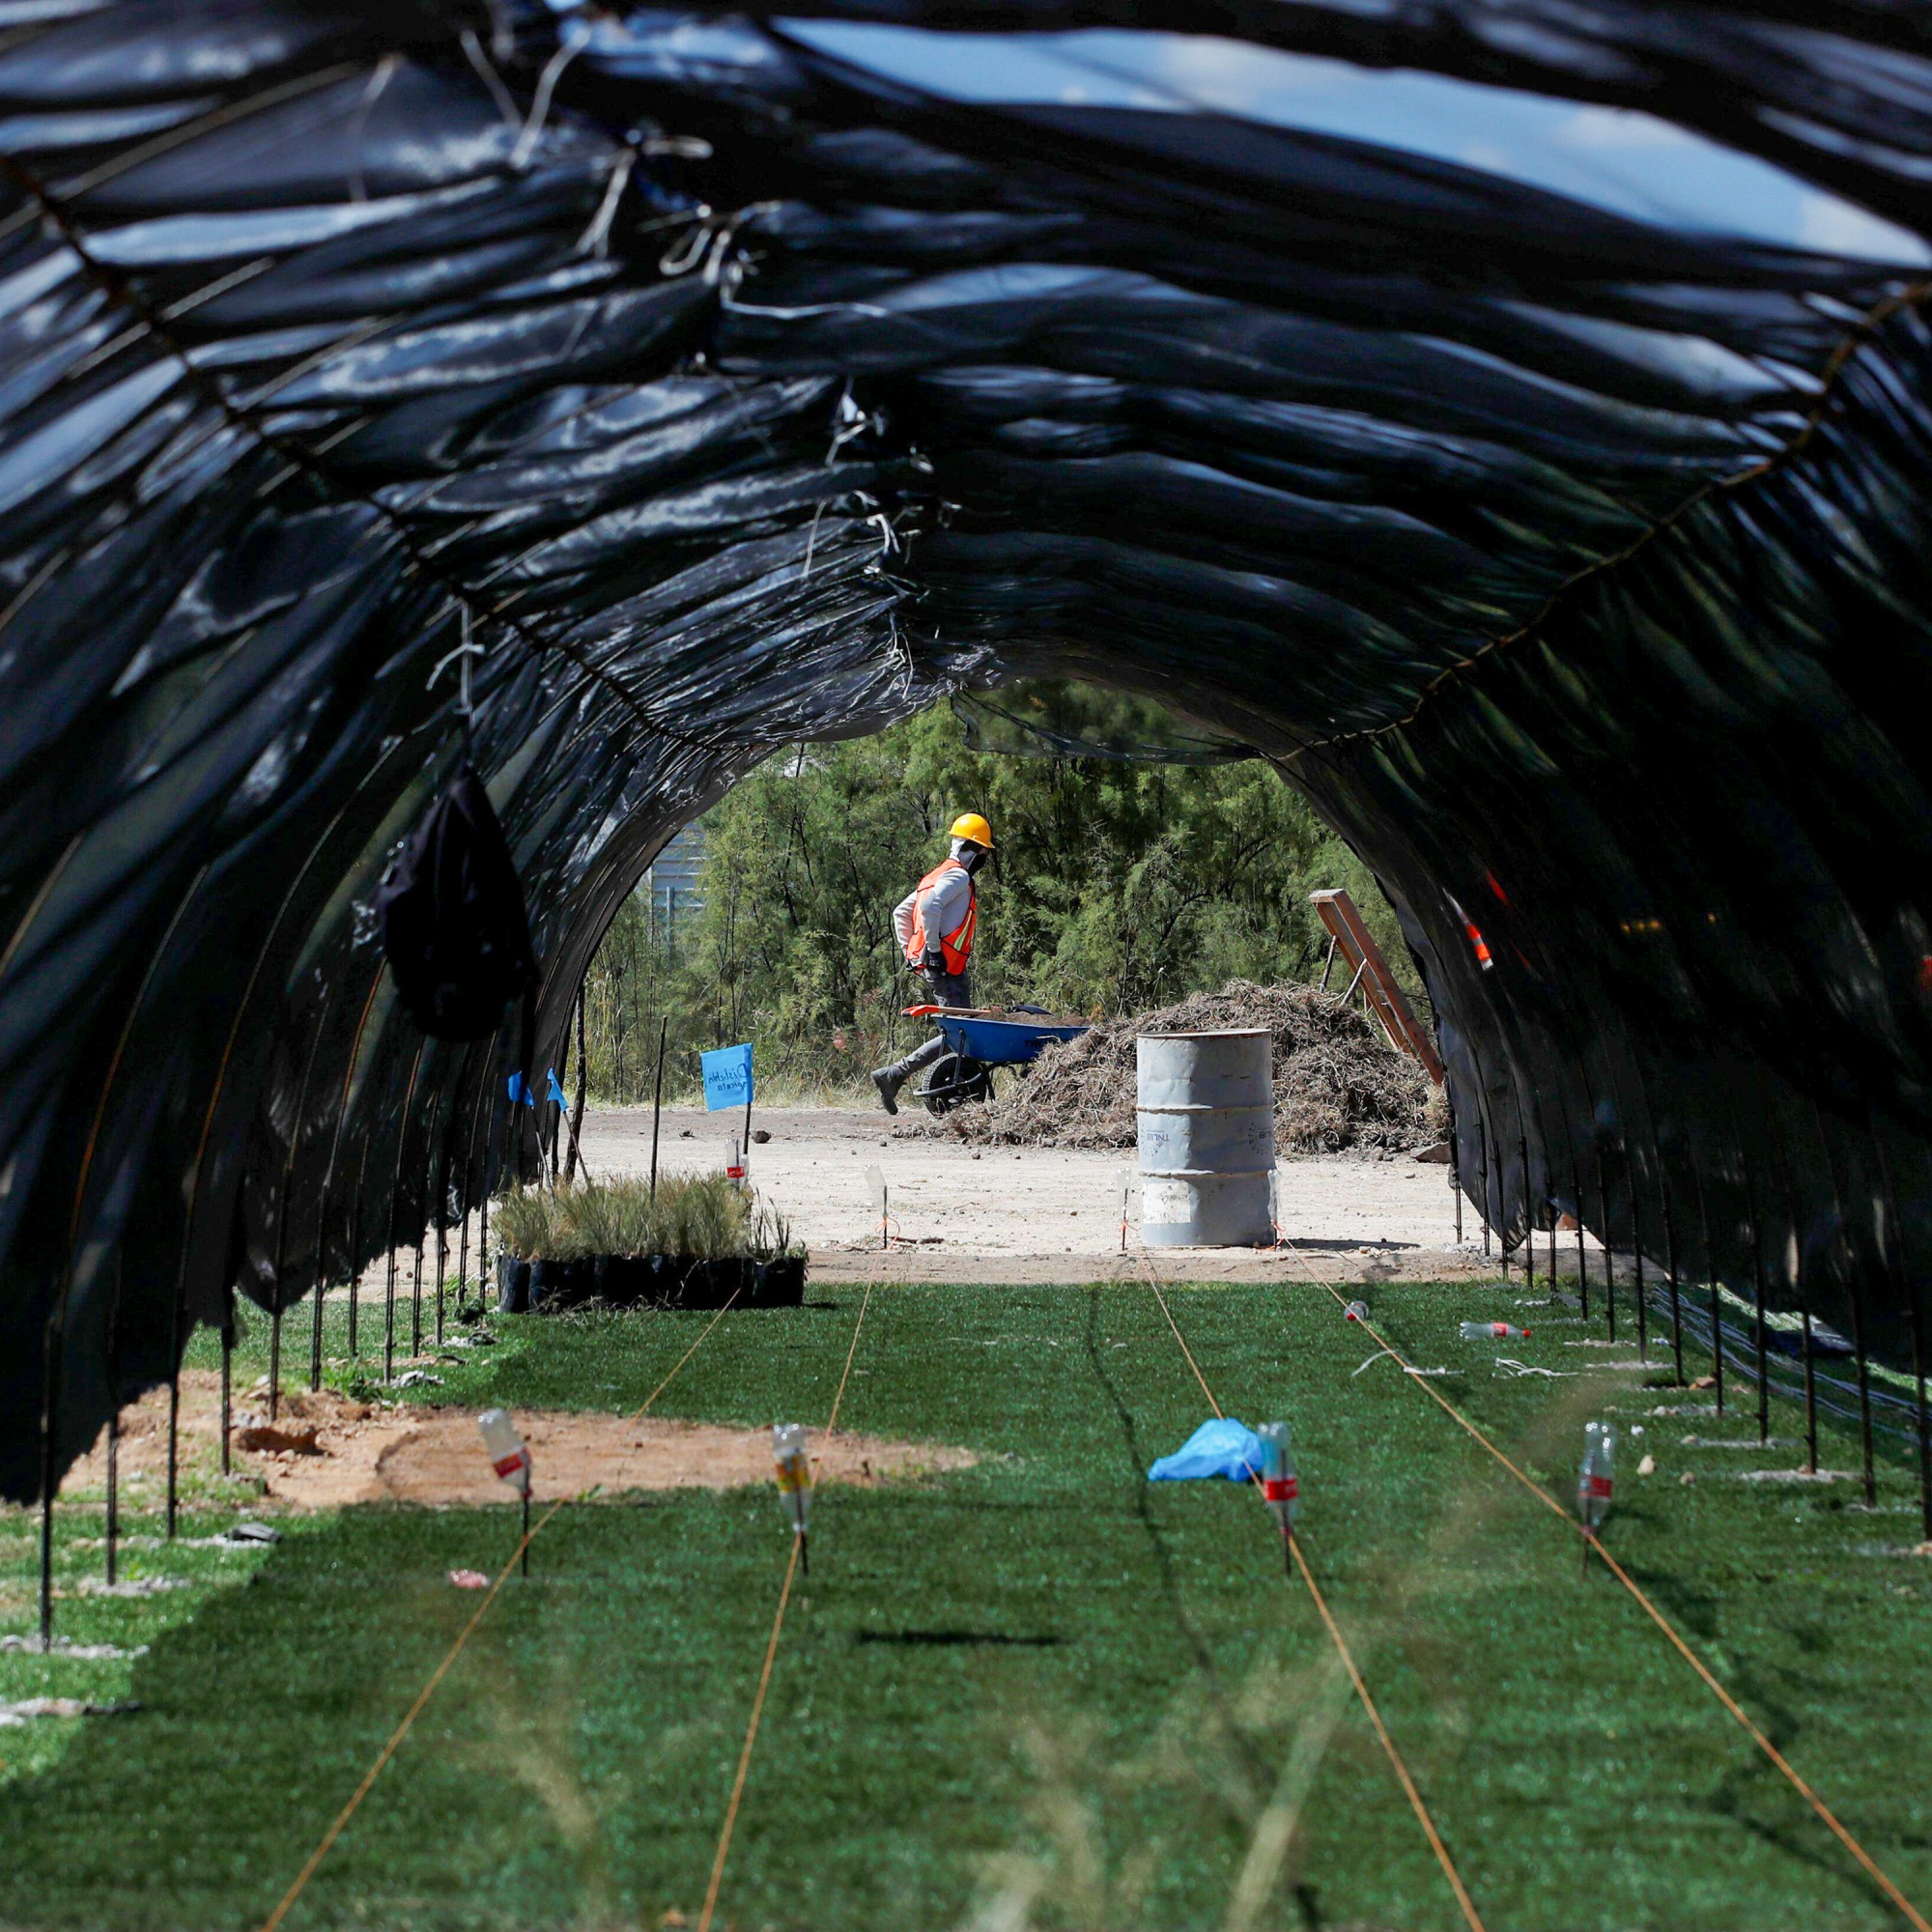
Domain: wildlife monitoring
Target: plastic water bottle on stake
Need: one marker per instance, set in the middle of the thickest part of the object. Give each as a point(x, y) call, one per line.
point(1281, 1487)
point(510, 1457)
point(1356, 1311)
point(1594, 1479)
point(875, 1179)
point(794, 1470)
point(1492, 1331)
point(736, 1160)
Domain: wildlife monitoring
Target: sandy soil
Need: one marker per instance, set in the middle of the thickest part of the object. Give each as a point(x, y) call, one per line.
point(1006, 1214)
point(324, 1451)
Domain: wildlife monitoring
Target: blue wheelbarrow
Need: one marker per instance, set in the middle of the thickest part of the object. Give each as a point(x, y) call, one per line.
point(978, 1040)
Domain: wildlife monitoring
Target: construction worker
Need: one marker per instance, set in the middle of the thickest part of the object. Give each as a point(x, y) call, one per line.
point(934, 926)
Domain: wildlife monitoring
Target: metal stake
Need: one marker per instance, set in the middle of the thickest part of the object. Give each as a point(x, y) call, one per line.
point(1671, 1273)
point(1757, 1279)
point(1642, 1312)
point(51, 1367)
point(657, 1098)
point(1529, 1218)
point(1610, 1251)
point(1582, 1270)
point(114, 1415)
point(356, 1252)
point(227, 1377)
point(1483, 1155)
point(1810, 1400)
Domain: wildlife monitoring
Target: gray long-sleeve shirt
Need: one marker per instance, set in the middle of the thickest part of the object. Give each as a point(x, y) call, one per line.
point(941, 906)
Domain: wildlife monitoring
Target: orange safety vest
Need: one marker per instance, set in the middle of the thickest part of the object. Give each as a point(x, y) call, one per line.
point(955, 947)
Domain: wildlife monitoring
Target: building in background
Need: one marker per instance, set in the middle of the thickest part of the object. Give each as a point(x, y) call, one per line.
point(672, 883)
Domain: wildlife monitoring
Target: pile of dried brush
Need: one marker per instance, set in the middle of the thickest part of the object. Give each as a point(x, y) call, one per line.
point(1337, 1083)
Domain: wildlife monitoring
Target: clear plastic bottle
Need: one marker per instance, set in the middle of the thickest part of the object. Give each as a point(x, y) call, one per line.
point(1356, 1311)
point(794, 1471)
point(1281, 1487)
point(1492, 1331)
point(509, 1454)
point(1594, 1476)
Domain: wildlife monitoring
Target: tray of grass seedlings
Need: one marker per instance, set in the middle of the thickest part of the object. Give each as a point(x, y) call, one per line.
point(694, 1242)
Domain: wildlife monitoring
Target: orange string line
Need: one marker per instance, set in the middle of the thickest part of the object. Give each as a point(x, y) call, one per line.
point(274, 1919)
point(745, 1755)
point(402, 1730)
point(1410, 1791)
point(730, 1824)
point(1334, 1629)
point(1906, 1908)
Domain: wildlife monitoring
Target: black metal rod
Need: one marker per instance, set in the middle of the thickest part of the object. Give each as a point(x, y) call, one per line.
point(1855, 1295)
point(1483, 1156)
point(179, 1316)
point(395, 1196)
point(355, 1251)
point(227, 1379)
point(527, 1523)
point(416, 1282)
point(113, 1527)
point(1583, 1268)
point(51, 1368)
point(1811, 1397)
point(282, 1218)
point(657, 1097)
point(1636, 1246)
point(1757, 1301)
point(1529, 1218)
point(1915, 1314)
point(492, 1143)
point(1609, 1249)
point(1864, 1363)
point(1710, 1275)
point(469, 1194)
point(1670, 1276)
point(317, 1296)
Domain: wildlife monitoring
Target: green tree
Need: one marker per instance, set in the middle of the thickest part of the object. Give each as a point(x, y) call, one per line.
point(1116, 886)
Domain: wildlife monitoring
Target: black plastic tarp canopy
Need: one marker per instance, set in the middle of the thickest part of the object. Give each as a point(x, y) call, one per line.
point(1510, 418)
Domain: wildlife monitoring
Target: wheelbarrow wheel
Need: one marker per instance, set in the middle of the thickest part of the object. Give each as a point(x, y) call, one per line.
point(953, 1078)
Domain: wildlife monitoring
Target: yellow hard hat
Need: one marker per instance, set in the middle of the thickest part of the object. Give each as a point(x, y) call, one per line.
point(970, 825)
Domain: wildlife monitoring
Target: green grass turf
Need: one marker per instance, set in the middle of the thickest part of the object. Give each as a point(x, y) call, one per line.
point(1043, 1674)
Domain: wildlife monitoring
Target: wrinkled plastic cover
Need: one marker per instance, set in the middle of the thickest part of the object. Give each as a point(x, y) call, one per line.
point(1509, 418)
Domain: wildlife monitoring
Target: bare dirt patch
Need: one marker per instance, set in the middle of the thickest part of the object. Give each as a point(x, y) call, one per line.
point(342, 1452)
point(441, 1461)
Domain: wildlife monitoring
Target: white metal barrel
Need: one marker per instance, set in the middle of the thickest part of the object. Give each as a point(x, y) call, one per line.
point(1206, 1115)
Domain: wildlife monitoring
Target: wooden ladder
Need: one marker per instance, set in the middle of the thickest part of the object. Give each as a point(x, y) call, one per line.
point(1351, 939)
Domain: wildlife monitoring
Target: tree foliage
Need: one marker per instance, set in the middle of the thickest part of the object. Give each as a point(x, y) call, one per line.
point(1116, 886)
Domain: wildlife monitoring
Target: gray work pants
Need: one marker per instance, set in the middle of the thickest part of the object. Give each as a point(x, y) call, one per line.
point(948, 989)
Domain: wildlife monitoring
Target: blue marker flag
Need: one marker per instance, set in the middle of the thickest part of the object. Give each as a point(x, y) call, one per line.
point(555, 1091)
point(728, 1076)
point(520, 1089)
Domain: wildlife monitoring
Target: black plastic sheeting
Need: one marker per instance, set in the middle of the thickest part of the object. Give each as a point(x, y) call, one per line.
point(1510, 418)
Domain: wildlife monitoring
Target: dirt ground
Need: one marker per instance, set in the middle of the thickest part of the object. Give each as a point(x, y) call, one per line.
point(324, 1450)
point(1028, 1214)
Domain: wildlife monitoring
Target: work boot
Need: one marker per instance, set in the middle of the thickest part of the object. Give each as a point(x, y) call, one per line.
point(888, 1080)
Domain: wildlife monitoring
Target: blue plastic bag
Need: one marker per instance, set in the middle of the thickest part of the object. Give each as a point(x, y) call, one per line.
point(1223, 1447)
